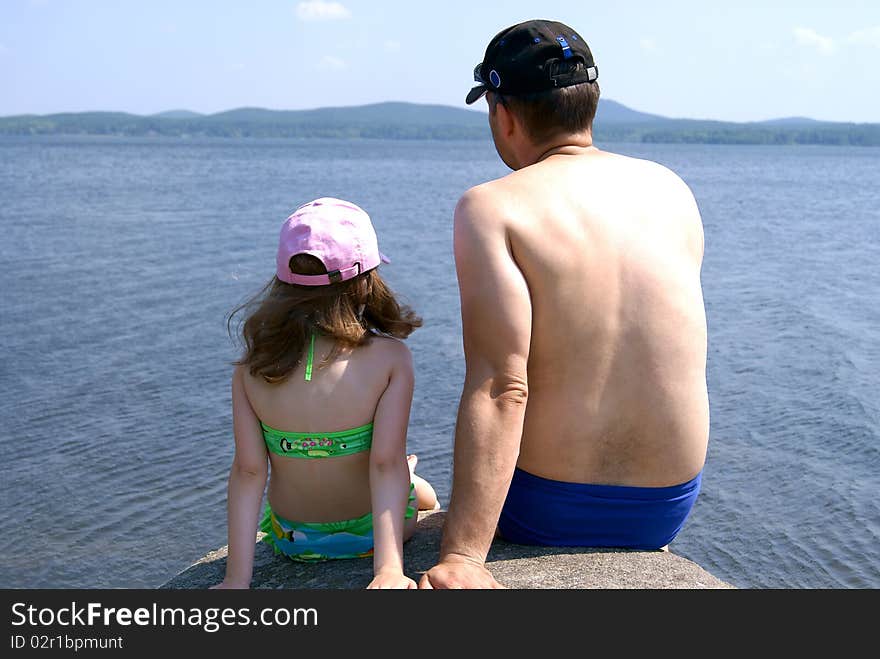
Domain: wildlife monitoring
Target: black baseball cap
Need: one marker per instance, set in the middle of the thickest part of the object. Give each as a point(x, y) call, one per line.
point(525, 58)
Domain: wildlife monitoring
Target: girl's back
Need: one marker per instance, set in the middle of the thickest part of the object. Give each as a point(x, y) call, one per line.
point(341, 396)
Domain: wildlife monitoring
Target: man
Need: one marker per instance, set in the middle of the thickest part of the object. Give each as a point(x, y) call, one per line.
point(584, 418)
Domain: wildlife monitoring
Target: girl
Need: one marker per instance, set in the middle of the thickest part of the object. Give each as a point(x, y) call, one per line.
point(322, 393)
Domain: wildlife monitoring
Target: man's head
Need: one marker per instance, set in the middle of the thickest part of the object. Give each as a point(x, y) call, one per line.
point(544, 74)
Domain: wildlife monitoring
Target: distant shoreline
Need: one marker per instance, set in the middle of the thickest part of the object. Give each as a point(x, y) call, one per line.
point(600, 140)
point(410, 121)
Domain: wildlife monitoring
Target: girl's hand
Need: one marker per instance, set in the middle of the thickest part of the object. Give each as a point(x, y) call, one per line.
point(392, 579)
point(230, 585)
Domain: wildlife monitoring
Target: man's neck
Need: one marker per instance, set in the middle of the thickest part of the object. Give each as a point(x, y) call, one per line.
point(569, 145)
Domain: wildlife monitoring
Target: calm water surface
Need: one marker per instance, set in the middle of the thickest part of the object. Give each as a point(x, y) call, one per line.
point(122, 257)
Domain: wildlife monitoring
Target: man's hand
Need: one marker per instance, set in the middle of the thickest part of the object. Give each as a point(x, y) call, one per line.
point(458, 573)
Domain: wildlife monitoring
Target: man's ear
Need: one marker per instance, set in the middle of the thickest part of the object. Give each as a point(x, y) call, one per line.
point(507, 122)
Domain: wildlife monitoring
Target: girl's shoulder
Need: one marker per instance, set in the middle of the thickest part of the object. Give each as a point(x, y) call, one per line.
point(389, 346)
point(390, 351)
point(376, 363)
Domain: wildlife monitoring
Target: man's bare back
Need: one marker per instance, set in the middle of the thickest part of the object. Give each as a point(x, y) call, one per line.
point(611, 249)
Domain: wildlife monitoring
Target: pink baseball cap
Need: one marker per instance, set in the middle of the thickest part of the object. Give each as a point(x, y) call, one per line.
point(336, 232)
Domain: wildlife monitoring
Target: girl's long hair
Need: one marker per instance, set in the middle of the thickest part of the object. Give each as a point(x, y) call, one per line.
point(280, 318)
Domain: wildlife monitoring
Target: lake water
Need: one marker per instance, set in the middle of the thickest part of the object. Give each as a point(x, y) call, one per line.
point(121, 258)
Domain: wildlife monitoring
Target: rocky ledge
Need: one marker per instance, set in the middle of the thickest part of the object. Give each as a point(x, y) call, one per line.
point(515, 566)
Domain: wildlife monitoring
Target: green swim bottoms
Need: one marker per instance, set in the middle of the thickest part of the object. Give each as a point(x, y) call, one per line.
point(321, 541)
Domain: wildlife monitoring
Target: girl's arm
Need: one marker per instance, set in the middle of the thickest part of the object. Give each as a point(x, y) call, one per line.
point(247, 482)
point(389, 472)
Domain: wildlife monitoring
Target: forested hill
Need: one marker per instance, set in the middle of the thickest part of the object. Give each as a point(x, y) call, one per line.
point(614, 123)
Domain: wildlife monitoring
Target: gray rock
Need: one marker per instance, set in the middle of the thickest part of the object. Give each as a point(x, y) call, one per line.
point(515, 566)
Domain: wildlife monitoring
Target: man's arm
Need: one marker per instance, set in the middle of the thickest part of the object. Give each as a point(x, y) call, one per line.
point(496, 324)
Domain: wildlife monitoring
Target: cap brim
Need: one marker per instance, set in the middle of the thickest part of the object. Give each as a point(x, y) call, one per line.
point(475, 94)
point(384, 258)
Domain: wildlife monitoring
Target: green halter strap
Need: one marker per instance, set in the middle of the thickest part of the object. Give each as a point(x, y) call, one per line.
point(311, 358)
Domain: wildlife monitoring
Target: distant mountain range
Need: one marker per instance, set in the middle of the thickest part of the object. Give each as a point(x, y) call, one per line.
point(393, 120)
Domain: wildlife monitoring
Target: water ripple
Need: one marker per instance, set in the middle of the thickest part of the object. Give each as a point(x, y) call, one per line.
point(114, 382)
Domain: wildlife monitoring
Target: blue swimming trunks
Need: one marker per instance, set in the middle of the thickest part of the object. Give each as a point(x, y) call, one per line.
point(540, 511)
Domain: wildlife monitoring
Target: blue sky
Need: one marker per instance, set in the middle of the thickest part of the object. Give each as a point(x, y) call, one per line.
point(739, 61)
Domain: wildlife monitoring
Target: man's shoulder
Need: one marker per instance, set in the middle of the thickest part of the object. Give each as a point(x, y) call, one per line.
point(653, 182)
point(643, 166)
point(651, 169)
point(494, 196)
point(484, 202)
point(484, 193)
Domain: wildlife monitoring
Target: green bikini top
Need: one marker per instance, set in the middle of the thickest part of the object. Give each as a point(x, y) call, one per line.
point(317, 444)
